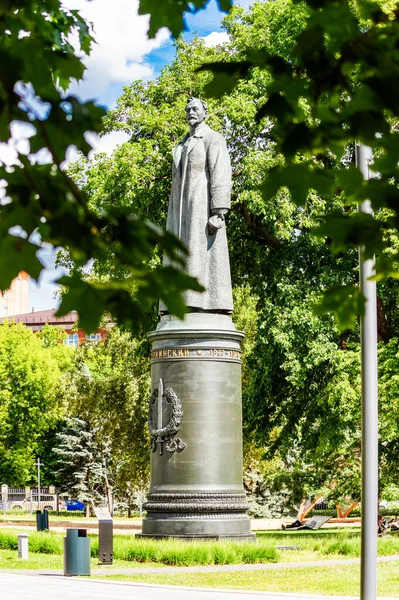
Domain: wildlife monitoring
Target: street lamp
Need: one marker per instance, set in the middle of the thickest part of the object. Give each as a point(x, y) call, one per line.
point(368, 332)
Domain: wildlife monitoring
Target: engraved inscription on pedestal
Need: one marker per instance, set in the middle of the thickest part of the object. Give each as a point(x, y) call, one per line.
point(196, 353)
point(164, 417)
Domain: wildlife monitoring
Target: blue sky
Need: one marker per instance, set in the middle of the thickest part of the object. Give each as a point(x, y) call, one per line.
point(122, 54)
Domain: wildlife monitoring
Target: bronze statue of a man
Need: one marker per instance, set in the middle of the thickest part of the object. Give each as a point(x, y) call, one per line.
point(199, 201)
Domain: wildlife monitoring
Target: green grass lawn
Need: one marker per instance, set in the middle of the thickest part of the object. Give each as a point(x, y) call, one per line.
point(326, 544)
point(46, 562)
point(319, 545)
point(9, 560)
point(166, 552)
point(66, 516)
point(334, 580)
point(46, 551)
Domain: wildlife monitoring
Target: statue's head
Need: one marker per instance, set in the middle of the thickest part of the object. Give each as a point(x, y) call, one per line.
point(196, 112)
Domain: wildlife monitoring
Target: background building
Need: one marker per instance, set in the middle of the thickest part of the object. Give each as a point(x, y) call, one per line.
point(75, 336)
point(15, 300)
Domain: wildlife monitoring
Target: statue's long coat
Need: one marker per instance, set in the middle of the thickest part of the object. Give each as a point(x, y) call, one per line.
point(201, 181)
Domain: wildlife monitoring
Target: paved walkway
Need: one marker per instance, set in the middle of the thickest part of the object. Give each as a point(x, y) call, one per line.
point(111, 570)
point(133, 526)
point(26, 587)
point(234, 568)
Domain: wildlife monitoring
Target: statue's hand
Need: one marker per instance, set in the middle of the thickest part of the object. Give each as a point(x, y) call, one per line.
point(216, 221)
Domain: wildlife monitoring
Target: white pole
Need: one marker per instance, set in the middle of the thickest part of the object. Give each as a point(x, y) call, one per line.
point(38, 465)
point(4, 497)
point(140, 503)
point(368, 335)
point(23, 548)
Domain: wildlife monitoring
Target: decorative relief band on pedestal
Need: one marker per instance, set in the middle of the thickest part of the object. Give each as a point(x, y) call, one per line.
point(178, 507)
point(195, 496)
point(196, 354)
point(196, 515)
point(186, 506)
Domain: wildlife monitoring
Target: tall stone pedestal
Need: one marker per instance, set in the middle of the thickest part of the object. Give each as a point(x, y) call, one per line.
point(195, 420)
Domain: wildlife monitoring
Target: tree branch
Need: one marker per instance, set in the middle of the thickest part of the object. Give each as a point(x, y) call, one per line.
point(262, 234)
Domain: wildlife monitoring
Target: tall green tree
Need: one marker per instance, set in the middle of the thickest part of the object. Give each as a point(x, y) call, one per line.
point(335, 86)
point(109, 387)
point(30, 399)
point(84, 464)
point(301, 384)
point(327, 91)
point(38, 62)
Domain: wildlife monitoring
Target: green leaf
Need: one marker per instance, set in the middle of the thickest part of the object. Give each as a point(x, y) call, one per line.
point(387, 161)
point(299, 179)
point(226, 77)
point(346, 302)
point(350, 180)
point(277, 106)
point(66, 125)
point(370, 10)
point(86, 40)
point(166, 14)
point(171, 14)
point(386, 267)
point(225, 5)
point(360, 230)
point(16, 255)
point(87, 299)
point(169, 283)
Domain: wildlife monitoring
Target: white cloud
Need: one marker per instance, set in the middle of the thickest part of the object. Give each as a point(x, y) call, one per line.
point(106, 143)
point(118, 57)
point(243, 3)
point(216, 37)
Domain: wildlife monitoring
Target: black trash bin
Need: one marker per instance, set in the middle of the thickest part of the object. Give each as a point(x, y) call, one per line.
point(76, 552)
point(42, 520)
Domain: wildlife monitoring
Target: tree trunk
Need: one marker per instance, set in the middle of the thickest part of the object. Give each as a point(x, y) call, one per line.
point(382, 323)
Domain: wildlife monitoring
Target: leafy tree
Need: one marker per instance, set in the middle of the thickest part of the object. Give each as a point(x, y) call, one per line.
point(321, 87)
point(171, 15)
point(84, 464)
point(38, 62)
point(301, 374)
point(334, 88)
point(51, 336)
point(388, 357)
point(29, 399)
point(109, 388)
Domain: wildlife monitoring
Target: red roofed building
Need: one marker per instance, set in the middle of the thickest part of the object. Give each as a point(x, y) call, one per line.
point(37, 320)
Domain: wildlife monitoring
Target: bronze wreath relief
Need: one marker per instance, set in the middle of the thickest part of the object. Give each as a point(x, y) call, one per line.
point(165, 401)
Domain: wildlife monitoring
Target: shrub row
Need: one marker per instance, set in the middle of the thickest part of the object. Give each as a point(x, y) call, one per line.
point(180, 552)
point(327, 542)
point(44, 542)
point(167, 552)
